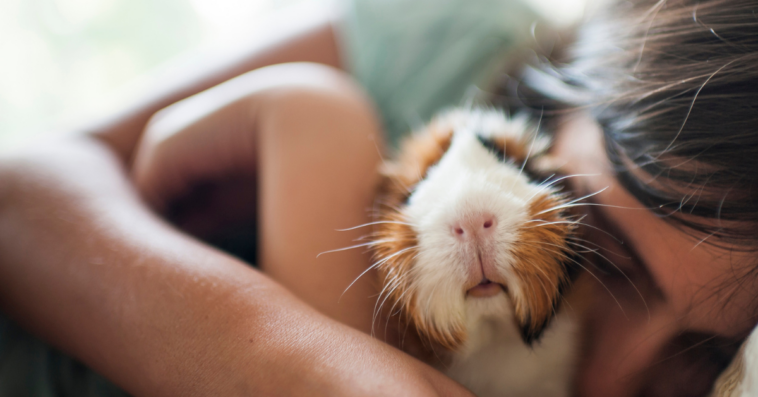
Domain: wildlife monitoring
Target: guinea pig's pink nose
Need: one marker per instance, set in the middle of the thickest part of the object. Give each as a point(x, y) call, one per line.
point(474, 226)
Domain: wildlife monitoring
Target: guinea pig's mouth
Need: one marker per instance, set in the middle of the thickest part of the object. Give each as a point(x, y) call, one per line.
point(485, 289)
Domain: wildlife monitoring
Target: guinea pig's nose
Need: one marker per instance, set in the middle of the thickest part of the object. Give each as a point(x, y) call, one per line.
point(475, 226)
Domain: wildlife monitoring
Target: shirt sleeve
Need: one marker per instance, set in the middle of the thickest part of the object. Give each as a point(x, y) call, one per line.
point(415, 57)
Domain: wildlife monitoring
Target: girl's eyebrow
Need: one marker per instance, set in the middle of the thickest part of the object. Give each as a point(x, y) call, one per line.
point(607, 224)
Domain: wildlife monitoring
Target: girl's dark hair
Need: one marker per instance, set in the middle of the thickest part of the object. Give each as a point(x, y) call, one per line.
point(674, 86)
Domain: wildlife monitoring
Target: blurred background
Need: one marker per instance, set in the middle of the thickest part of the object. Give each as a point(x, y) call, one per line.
point(63, 61)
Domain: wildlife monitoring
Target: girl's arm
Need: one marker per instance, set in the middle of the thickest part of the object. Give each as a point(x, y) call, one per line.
point(301, 141)
point(85, 265)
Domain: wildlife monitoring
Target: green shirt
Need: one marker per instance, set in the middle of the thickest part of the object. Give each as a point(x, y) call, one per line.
point(416, 57)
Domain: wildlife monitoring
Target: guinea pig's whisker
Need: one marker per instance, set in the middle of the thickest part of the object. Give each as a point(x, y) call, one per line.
point(543, 270)
point(578, 238)
point(601, 283)
point(408, 233)
point(572, 203)
point(397, 301)
point(385, 259)
point(599, 247)
point(375, 315)
point(402, 299)
point(379, 152)
point(680, 352)
point(543, 223)
point(430, 297)
point(378, 235)
point(544, 288)
point(387, 204)
point(389, 315)
point(395, 284)
point(567, 303)
point(405, 332)
point(370, 243)
point(406, 188)
point(622, 273)
point(358, 278)
point(548, 183)
point(574, 222)
point(568, 220)
point(594, 251)
point(607, 260)
point(587, 225)
point(591, 274)
point(528, 153)
point(587, 251)
point(377, 264)
point(389, 285)
point(376, 223)
point(596, 205)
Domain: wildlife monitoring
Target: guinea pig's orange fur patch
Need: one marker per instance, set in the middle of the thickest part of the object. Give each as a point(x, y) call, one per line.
point(540, 258)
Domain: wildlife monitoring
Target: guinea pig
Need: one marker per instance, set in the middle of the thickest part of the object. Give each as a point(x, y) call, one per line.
point(471, 244)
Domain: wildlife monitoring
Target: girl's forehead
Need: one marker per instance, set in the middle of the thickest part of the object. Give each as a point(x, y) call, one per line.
point(699, 282)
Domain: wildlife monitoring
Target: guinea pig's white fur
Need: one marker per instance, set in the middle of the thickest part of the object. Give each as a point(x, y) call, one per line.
point(495, 361)
point(460, 219)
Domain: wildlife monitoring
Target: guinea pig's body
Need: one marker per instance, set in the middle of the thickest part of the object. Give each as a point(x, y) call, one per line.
point(494, 360)
point(475, 256)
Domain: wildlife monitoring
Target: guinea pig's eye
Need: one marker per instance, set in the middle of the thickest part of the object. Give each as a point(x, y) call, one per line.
point(493, 147)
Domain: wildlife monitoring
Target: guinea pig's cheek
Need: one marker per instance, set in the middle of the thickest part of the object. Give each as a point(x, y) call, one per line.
point(440, 258)
point(438, 264)
point(438, 286)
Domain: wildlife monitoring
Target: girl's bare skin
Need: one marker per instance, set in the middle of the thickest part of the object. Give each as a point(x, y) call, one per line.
point(85, 264)
point(308, 138)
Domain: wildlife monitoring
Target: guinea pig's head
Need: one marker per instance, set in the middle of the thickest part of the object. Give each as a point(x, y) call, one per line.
point(464, 233)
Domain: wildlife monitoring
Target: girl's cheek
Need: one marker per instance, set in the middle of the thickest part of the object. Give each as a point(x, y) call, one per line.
point(622, 341)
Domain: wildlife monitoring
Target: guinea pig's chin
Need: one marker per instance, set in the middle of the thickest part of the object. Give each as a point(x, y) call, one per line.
point(487, 299)
point(447, 300)
point(496, 306)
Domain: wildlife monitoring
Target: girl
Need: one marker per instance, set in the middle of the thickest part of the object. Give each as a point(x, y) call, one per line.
point(662, 96)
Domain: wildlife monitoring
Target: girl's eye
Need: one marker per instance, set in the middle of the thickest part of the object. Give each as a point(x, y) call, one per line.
point(613, 258)
point(616, 264)
point(493, 147)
